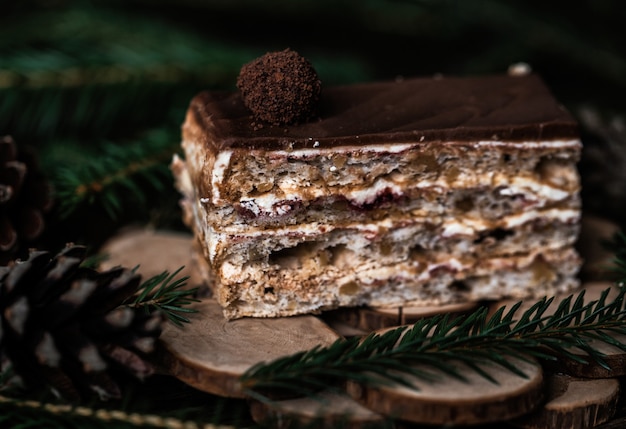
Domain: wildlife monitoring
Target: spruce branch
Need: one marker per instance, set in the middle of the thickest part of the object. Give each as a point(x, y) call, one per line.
point(122, 175)
point(93, 70)
point(436, 345)
point(61, 74)
point(165, 293)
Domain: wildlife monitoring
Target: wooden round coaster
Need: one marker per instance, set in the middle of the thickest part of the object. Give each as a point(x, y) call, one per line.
point(152, 252)
point(344, 329)
point(212, 353)
point(368, 319)
point(573, 403)
point(327, 409)
point(614, 357)
point(453, 402)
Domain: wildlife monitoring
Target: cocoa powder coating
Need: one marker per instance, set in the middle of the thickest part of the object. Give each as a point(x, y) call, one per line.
point(280, 88)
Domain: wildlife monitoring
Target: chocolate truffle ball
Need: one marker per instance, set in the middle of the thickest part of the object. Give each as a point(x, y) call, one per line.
point(280, 88)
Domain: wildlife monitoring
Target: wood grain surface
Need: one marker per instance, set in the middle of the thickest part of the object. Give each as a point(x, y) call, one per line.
point(152, 252)
point(449, 400)
point(211, 353)
point(328, 409)
point(369, 319)
point(573, 403)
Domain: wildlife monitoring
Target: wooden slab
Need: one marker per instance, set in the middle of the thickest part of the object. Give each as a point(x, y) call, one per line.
point(211, 353)
point(153, 251)
point(328, 409)
point(573, 403)
point(368, 319)
point(614, 357)
point(342, 328)
point(450, 401)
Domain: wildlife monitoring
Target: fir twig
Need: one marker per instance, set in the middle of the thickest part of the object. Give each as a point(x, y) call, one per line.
point(435, 346)
point(164, 293)
point(123, 173)
point(93, 70)
point(62, 74)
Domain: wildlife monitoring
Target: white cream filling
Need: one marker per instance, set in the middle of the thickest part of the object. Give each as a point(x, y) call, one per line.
point(270, 205)
point(319, 150)
point(573, 143)
point(470, 226)
point(368, 195)
point(526, 186)
point(451, 263)
point(451, 227)
point(222, 162)
point(562, 215)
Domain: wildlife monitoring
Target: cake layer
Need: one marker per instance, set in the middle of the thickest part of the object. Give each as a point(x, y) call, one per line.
point(492, 194)
point(241, 176)
point(284, 292)
point(396, 241)
point(372, 258)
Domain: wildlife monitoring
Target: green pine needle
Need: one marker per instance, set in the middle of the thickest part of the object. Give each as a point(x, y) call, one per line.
point(165, 293)
point(118, 178)
point(91, 70)
point(434, 346)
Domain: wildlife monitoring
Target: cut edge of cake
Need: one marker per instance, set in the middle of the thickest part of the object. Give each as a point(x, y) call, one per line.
point(301, 228)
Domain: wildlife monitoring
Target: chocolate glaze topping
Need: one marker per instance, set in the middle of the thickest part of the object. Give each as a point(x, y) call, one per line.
point(505, 108)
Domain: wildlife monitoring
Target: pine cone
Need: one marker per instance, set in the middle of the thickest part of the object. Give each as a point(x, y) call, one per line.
point(62, 325)
point(25, 195)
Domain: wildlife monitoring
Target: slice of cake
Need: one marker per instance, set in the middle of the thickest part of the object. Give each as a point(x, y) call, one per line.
point(419, 191)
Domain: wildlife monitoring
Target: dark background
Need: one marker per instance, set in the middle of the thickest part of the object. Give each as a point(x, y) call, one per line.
point(99, 89)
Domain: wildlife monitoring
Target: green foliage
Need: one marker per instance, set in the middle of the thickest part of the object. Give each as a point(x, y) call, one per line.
point(119, 177)
point(166, 293)
point(99, 87)
point(88, 71)
point(433, 346)
point(92, 71)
